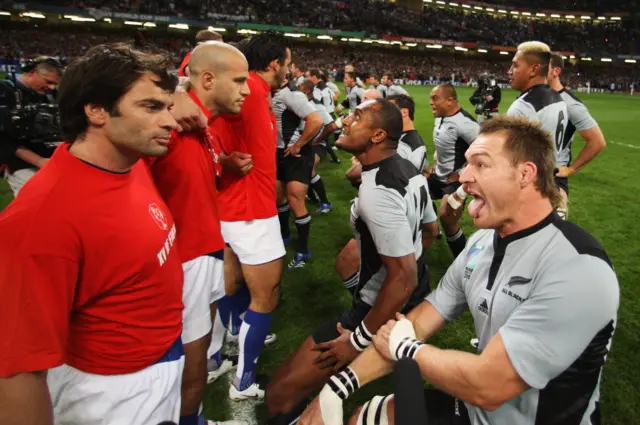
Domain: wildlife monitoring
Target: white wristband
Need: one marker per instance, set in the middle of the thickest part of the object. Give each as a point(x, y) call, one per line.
point(453, 202)
point(400, 332)
point(361, 338)
point(330, 406)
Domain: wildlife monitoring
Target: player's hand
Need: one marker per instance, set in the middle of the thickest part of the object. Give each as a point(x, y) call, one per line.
point(489, 98)
point(188, 115)
point(338, 353)
point(293, 150)
point(447, 214)
point(453, 177)
point(564, 172)
point(238, 163)
point(381, 338)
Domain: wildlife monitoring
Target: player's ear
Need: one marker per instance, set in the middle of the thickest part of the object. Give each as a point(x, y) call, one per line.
point(207, 79)
point(96, 115)
point(528, 173)
point(379, 136)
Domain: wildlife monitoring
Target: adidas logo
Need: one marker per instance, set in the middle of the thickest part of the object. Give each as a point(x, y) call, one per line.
point(484, 307)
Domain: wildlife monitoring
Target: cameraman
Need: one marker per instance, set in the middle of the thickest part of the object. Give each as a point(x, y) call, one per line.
point(25, 146)
point(486, 98)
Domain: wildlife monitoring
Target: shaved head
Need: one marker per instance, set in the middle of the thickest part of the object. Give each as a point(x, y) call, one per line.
point(371, 94)
point(213, 56)
point(218, 73)
point(447, 91)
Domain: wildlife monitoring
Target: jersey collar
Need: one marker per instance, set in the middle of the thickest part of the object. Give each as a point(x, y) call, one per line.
point(500, 244)
point(258, 80)
point(378, 164)
point(455, 113)
point(533, 87)
point(196, 100)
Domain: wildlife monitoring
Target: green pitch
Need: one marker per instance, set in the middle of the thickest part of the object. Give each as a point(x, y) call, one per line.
point(602, 201)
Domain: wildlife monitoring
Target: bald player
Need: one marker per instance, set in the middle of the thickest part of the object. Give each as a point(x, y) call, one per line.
point(579, 119)
point(371, 94)
point(186, 179)
point(203, 36)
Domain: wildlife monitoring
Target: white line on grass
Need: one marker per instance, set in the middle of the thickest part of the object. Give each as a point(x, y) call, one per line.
point(624, 144)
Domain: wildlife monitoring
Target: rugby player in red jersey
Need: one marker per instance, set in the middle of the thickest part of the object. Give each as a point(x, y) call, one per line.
point(91, 281)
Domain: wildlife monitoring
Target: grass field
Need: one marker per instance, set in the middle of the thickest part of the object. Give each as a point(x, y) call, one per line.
point(602, 201)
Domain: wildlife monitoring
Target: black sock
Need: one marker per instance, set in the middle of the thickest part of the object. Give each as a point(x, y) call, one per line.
point(330, 151)
point(457, 242)
point(311, 194)
point(283, 216)
point(318, 186)
point(303, 224)
point(351, 283)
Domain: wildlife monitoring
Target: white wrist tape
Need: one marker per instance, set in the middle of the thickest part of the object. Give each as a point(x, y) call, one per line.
point(344, 384)
point(408, 348)
point(453, 202)
point(361, 338)
point(401, 331)
point(330, 406)
point(338, 122)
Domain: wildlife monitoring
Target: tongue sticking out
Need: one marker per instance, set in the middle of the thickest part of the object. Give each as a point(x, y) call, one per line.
point(475, 206)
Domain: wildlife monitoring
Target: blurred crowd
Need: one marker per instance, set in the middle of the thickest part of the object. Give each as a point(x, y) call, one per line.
point(388, 18)
point(410, 65)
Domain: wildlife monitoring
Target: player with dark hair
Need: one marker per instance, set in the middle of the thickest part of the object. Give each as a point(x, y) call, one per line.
point(247, 204)
point(203, 36)
point(392, 88)
point(298, 124)
point(319, 146)
point(90, 275)
point(542, 293)
point(387, 218)
point(581, 120)
point(355, 93)
point(323, 95)
point(454, 130)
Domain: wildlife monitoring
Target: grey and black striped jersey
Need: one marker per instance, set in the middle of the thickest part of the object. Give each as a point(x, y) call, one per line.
point(543, 104)
point(323, 94)
point(387, 218)
point(552, 295)
point(326, 118)
point(452, 136)
point(412, 147)
point(291, 107)
point(354, 97)
point(579, 119)
point(332, 86)
point(395, 90)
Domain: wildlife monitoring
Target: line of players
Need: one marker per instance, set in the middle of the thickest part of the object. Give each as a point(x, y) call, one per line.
point(84, 320)
point(377, 264)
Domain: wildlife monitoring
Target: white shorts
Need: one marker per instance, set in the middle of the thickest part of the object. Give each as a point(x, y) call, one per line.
point(149, 396)
point(19, 178)
point(203, 285)
point(254, 242)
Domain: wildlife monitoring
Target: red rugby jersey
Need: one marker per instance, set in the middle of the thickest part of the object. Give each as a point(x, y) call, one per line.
point(184, 64)
point(186, 179)
point(89, 274)
point(253, 131)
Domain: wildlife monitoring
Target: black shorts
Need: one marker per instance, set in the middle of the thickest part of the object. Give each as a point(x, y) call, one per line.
point(320, 150)
point(437, 189)
point(562, 183)
point(351, 318)
point(291, 169)
point(444, 409)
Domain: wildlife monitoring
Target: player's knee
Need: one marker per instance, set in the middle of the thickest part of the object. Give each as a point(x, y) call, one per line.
point(266, 299)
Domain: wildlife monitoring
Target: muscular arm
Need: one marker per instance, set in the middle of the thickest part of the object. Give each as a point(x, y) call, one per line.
point(328, 129)
point(312, 125)
point(486, 380)
point(594, 144)
point(30, 157)
point(429, 233)
point(25, 400)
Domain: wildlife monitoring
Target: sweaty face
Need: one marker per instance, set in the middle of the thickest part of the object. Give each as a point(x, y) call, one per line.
point(438, 103)
point(43, 81)
point(357, 129)
point(519, 72)
point(230, 86)
point(142, 124)
point(283, 70)
point(491, 180)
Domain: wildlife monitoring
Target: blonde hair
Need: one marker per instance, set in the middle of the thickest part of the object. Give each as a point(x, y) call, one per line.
point(536, 53)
